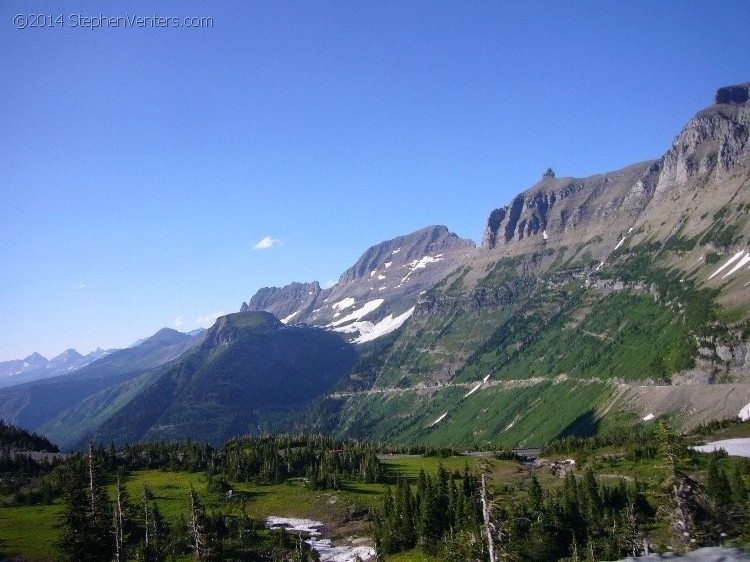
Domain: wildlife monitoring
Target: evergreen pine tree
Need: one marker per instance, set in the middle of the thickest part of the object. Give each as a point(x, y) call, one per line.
point(202, 541)
point(86, 520)
point(74, 522)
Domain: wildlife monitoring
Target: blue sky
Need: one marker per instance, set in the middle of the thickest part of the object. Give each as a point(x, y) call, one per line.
point(140, 166)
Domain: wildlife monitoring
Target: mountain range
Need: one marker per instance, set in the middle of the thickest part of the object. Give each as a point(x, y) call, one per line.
point(377, 294)
point(592, 303)
point(36, 366)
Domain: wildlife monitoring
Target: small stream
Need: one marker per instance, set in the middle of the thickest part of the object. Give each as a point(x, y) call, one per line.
point(357, 547)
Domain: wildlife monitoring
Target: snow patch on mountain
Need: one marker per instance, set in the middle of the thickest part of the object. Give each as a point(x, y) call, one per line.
point(357, 314)
point(288, 318)
point(343, 304)
point(745, 259)
point(385, 326)
point(731, 260)
point(437, 421)
point(473, 390)
point(739, 447)
point(421, 264)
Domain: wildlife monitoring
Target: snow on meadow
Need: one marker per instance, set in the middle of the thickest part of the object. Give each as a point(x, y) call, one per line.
point(473, 390)
point(743, 262)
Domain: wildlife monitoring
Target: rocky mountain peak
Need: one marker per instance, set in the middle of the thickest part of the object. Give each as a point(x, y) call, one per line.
point(67, 356)
point(378, 292)
point(227, 329)
point(285, 301)
point(557, 211)
point(36, 360)
point(563, 211)
point(714, 141)
point(404, 249)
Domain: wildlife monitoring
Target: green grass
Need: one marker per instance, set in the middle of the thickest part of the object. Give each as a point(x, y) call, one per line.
point(510, 414)
point(29, 532)
point(408, 466)
point(414, 555)
point(170, 490)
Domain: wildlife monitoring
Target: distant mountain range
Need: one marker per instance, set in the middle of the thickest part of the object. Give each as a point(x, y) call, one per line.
point(41, 405)
point(36, 366)
point(593, 303)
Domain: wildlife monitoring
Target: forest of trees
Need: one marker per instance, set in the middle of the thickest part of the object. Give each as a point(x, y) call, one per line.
point(442, 515)
point(95, 526)
point(699, 500)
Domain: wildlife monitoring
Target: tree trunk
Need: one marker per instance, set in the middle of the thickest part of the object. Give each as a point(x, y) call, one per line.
point(486, 513)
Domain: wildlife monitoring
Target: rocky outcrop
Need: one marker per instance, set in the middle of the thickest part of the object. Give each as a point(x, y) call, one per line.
point(557, 211)
point(285, 301)
point(733, 94)
point(228, 328)
point(716, 139)
point(438, 302)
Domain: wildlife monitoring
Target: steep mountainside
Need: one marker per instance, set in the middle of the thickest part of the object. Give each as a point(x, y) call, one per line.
point(249, 368)
point(593, 303)
point(38, 405)
point(378, 293)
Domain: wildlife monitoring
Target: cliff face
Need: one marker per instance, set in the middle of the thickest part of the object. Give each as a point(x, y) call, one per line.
point(714, 141)
point(602, 209)
point(285, 301)
point(561, 211)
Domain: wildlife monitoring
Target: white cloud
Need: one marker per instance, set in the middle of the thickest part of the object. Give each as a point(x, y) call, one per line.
point(179, 322)
point(267, 242)
point(208, 320)
point(79, 286)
